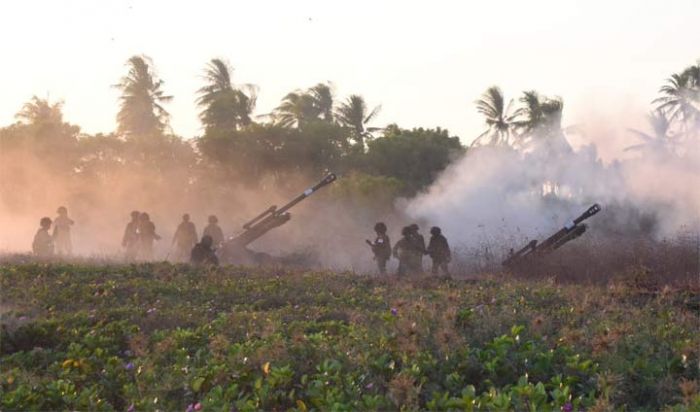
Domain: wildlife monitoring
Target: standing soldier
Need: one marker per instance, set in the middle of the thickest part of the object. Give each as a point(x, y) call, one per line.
point(42, 246)
point(147, 235)
point(439, 251)
point(214, 231)
point(61, 232)
point(184, 239)
point(130, 241)
point(418, 242)
point(381, 247)
point(404, 250)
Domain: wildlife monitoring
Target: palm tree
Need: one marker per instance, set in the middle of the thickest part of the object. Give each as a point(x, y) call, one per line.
point(352, 113)
point(224, 106)
point(300, 107)
point(499, 118)
point(39, 111)
point(681, 97)
point(539, 121)
point(141, 112)
point(660, 141)
point(296, 108)
point(322, 96)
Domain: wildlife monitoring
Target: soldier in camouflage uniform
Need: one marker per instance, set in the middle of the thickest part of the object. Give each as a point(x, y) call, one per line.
point(381, 247)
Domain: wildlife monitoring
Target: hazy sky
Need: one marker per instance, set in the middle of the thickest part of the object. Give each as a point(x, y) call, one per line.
point(425, 62)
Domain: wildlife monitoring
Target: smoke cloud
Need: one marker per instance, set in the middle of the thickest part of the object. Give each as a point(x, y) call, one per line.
point(503, 197)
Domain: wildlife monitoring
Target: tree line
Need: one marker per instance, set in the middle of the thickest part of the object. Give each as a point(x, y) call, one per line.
point(310, 132)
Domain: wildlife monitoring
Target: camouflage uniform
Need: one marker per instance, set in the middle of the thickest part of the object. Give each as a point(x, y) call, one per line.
point(214, 231)
point(61, 232)
point(381, 247)
point(404, 251)
point(185, 238)
point(147, 235)
point(130, 240)
point(439, 251)
point(417, 242)
point(203, 253)
point(43, 246)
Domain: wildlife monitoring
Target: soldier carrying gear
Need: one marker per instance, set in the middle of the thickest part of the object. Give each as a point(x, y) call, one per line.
point(439, 251)
point(203, 253)
point(185, 238)
point(214, 231)
point(404, 251)
point(418, 243)
point(42, 246)
point(381, 247)
point(130, 240)
point(147, 235)
point(61, 232)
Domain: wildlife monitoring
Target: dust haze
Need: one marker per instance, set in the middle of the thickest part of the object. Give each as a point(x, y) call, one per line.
point(489, 200)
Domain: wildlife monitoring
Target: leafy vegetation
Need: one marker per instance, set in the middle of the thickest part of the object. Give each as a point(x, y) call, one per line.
point(165, 337)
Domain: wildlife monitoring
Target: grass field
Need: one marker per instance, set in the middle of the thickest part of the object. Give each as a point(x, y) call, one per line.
point(173, 338)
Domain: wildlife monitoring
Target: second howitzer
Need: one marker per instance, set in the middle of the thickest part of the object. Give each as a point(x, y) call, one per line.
point(570, 231)
point(234, 249)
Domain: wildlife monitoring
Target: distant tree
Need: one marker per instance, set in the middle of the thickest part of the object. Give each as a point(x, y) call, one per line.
point(680, 98)
point(40, 145)
point(295, 109)
point(322, 99)
point(301, 107)
point(415, 157)
point(352, 113)
point(141, 112)
point(538, 122)
point(224, 106)
point(499, 118)
point(40, 111)
point(660, 141)
point(42, 125)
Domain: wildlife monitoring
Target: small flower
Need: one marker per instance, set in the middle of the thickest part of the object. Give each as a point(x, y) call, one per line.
point(129, 366)
point(394, 311)
point(131, 408)
point(568, 407)
point(190, 408)
point(197, 406)
point(369, 386)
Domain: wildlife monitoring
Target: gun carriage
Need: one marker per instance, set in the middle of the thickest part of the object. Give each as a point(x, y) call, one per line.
point(235, 250)
point(533, 249)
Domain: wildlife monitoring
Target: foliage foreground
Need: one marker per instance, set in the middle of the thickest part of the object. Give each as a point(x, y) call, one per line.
point(170, 337)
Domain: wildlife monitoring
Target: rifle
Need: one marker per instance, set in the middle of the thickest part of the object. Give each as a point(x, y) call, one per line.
point(570, 231)
point(272, 217)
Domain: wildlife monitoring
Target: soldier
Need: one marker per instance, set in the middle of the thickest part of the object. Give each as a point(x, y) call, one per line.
point(404, 250)
point(61, 232)
point(185, 238)
point(130, 241)
point(214, 231)
point(439, 251)
point(418, 242)
point(381, 247)
point(147, 235)
point(203, 253)
point(42, 246)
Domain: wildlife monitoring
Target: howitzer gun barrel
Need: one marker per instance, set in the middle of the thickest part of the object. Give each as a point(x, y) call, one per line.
point(330, 178)
point(570, 231)
point(273, 217)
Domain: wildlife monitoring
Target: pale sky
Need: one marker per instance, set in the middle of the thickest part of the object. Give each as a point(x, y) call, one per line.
point(424, 62)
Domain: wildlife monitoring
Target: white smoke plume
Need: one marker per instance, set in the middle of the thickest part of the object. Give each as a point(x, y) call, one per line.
point(500, 196)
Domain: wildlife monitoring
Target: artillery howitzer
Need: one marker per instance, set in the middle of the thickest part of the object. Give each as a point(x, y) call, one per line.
point(235, 248)
point(570, 231)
